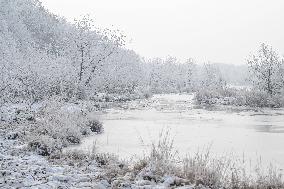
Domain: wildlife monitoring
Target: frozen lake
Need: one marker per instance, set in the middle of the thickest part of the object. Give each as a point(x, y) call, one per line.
point(130, 129)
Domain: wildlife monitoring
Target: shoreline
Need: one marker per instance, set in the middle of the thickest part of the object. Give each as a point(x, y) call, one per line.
point(159, 169)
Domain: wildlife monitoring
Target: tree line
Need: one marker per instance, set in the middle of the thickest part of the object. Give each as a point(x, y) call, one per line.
point(43, 55)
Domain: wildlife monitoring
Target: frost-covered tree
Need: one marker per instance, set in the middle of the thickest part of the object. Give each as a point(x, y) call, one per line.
point(32, 46)
point(266, 69)
point(122, 73)
point(189, 70)
point(211, 78)
point(93, 47)
point(43, 55)
point(170, 75)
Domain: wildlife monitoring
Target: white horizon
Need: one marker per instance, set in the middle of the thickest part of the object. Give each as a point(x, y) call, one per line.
point(221, 31)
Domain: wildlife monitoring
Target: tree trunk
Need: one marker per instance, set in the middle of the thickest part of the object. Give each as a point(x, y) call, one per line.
point(81, 64)
point(269, 86)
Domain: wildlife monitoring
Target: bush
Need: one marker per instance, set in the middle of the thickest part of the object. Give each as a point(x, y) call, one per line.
point(224, 96)
point(73, 139)
point(250, 98)
point(160, 162)
point(40, 148)
point(261, 99)
point(58, 126)
point(95, 126)
point(12, 136)
point(44, 145)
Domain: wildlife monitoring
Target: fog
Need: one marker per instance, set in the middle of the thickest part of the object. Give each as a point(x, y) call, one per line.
point(219, 31)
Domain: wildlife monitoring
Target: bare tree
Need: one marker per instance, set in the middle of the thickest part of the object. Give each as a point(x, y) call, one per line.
point(94, 46)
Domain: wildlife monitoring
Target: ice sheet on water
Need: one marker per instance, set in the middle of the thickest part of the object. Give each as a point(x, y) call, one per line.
point(131, 131)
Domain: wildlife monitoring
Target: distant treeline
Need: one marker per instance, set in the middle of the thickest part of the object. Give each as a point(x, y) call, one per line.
point(43, 55)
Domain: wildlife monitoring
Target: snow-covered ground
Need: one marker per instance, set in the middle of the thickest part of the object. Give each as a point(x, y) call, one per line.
point(22, 168)
point(251, 134)
point(130, 128)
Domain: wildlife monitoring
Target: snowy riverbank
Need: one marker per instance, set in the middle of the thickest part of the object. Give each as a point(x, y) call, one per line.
point(23, 167)
point(47, 166)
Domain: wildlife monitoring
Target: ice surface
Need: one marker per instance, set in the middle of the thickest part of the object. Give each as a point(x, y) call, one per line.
point(130, 131)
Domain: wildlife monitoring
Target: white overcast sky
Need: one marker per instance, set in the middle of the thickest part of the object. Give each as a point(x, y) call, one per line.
point(225, 31)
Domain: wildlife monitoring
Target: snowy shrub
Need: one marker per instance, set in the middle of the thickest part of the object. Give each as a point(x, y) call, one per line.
point(255, 98)
point(143, 92)
point(85, 131)
point(103, 159)
point(139, 165)
point(12, 136)
point(95, 126)
point(206, 97)
point(44, 145)
point(147, 95)
point(163, 156)
point(203, 169)
point(74, 155)
point(60, 125)
point(72, 139)
point(239, 97)
point(223, 96)
point(160, 162)
point(57, 125)
point(17, 113)
point(113, 168)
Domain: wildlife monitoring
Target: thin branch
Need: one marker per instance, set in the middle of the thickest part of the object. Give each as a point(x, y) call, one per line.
point(96, 65)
